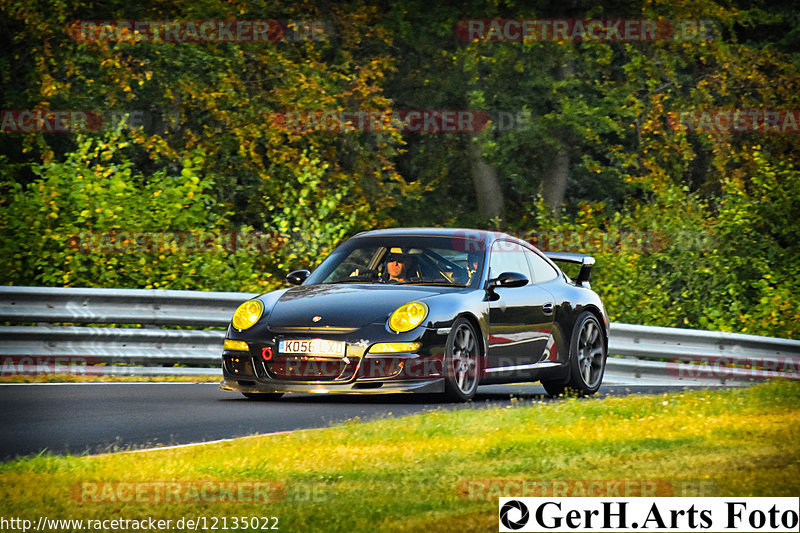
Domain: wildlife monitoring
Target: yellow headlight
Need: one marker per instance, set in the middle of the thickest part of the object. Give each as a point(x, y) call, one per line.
point(408, 316)
point(247, 314)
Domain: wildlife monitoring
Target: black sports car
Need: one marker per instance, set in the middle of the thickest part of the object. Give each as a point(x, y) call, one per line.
point(421, 310)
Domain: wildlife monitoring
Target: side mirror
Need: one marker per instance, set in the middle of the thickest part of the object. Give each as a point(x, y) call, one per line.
point(508, 279)
point(297, 277)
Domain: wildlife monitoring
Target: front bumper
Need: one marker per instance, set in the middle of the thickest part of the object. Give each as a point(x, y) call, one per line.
point(263, 370)
point(384, 387)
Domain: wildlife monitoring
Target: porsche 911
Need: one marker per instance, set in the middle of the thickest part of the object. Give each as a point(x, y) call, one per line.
point(422, 310)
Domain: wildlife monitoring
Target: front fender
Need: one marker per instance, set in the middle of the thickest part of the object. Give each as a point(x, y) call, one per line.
point(269, 299)
point(444, 309)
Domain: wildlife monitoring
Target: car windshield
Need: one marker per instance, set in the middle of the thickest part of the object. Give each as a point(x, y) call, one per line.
point(406, 260)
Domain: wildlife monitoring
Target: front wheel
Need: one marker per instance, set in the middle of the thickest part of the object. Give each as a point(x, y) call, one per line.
point(461, 362)
point(587, 359)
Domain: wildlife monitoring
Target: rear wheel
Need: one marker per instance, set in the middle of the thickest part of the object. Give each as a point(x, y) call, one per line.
point(587, 359)
point(461, 362)
point(262, 396)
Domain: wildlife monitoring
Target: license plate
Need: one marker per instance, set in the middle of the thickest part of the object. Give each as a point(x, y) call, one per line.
point(312, 347)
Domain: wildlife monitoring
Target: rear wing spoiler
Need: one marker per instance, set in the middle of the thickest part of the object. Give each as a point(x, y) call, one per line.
point(586, 262)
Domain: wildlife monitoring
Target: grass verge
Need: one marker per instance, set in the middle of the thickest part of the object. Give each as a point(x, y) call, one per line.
point(438, 471)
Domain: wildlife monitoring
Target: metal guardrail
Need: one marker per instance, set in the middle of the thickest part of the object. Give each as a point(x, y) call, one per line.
point(132, 346)
point(650, 354)
point(679, 343)
point(680, 355)
point(118, 306)
point(49, 344)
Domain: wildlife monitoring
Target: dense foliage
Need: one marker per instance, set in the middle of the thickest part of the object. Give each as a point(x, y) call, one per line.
point(583, 138)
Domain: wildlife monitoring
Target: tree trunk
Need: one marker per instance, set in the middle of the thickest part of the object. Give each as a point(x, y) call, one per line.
point(487, 185)
point(556, 174)
point(554, 180)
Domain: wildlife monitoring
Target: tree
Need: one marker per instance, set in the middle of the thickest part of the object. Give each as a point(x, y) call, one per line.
point(220, 98)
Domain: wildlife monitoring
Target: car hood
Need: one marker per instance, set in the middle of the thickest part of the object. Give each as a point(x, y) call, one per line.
point(343, 305)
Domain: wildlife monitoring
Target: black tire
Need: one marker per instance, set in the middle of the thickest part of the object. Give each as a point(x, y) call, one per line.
point(262, 396)
point(554, 388)
point(462, 361)
point(587, 359)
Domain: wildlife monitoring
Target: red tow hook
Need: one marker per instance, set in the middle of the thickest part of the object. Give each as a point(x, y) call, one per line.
point(266, 353)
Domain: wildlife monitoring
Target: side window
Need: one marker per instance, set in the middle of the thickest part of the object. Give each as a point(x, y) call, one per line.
point(358, 261)
point(542, 271)
point(508, 257)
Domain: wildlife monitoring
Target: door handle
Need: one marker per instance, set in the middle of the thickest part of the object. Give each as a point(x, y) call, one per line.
point(548, 308)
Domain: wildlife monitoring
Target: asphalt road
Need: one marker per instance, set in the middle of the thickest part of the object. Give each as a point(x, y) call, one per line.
point(95, 418)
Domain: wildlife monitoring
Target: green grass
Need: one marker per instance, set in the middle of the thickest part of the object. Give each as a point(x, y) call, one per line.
point(420, 472)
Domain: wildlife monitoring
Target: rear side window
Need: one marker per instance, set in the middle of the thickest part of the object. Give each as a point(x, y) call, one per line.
point(542, 271)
